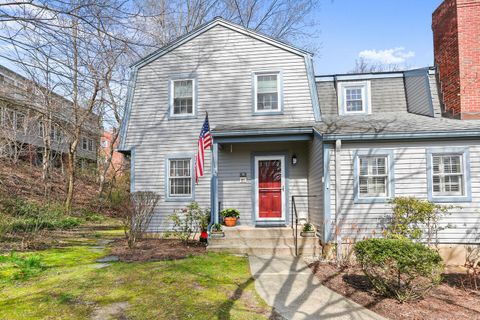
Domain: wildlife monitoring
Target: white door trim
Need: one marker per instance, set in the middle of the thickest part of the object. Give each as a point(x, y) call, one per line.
point(283, 186)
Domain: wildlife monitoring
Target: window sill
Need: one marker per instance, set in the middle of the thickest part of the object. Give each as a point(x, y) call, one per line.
point(448, 199)
point(353, 113)
point(186, 117)
point(266, 113)
point(179, 199)
point(373, 200)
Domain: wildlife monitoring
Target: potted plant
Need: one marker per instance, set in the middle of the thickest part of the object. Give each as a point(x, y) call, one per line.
point(308, 230)
point(216, 231)
point(230, 216)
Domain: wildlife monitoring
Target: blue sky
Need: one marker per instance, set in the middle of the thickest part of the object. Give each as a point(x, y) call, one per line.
point(383, 30)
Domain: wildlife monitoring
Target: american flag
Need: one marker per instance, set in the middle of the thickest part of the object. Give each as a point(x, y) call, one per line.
point(204, 142)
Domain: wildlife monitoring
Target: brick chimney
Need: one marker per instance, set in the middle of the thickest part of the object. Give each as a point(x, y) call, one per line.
point(456, 42)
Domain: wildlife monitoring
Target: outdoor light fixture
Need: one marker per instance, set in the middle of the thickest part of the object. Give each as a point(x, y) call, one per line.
point(294, 159)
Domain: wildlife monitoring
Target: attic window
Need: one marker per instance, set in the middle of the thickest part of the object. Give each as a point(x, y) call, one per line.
point(267, 93)
point(182, 100)
point(354, 98)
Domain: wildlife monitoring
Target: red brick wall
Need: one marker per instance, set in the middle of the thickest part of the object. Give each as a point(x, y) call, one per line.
point(456, 41)
point(468, 15)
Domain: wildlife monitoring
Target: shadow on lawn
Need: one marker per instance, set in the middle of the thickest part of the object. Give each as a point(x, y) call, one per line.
point(225, 308)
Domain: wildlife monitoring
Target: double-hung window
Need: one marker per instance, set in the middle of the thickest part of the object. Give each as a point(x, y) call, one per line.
point(182, 100)
point(84, 143)
point(267, 95)
point(354, 98)
point(179, 177)
point(448, 175)
point(373, 177)
point(90, 144)
point(373, 172)
point(354, 101)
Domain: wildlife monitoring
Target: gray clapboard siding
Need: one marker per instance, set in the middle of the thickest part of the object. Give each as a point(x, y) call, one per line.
point(437, 108)
point(223, 62)
point(388, 95)
point(237, 158)
point(315, 183)
point(417, 86)
point(327, 95)
point(359, 220)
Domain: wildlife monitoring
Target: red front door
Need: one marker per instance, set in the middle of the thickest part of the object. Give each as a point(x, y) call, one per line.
point(269, 189)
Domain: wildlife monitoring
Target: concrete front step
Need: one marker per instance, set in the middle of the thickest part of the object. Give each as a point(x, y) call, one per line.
point(260, 241)
point(245, 232)
point(264, 251)
point(263, 241)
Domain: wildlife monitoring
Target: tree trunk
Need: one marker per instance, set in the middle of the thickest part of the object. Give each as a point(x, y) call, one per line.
point(104, 171)
point(72, 154)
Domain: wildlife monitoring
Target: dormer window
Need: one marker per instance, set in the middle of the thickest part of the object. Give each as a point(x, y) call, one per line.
point(354, 98)
point(182, 97)
point(267, 93)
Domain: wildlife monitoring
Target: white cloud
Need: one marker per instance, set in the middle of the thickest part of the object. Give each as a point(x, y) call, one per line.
point(388, 56)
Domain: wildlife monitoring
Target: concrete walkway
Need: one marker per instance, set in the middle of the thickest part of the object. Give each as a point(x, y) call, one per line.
point(288, 285)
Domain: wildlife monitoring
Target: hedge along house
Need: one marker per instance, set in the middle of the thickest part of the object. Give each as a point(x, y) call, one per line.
point(283, 135)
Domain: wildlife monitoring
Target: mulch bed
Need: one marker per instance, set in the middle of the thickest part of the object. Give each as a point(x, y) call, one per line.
point(454, 298)
point(156, 249)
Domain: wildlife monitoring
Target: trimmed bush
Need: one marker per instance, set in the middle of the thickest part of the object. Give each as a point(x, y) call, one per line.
point(399, 268)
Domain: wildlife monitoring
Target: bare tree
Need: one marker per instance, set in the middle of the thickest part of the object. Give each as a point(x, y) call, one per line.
point(81, 50)
point(165, 20)
point(137, 217)
point(77, 39)
point(364, 66)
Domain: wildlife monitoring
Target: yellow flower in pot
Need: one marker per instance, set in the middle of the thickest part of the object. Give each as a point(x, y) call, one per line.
point(230, 216)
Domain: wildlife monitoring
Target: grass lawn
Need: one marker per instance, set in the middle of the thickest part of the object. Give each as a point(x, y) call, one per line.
point(66, 283)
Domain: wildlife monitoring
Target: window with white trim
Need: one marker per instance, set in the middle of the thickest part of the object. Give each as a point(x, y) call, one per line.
point(90, 144)
point(180, 177)
point(373, 176)
point(448, 175)
point(267, 92)
point(353, 97)
point(182, 97)
point(84, 143)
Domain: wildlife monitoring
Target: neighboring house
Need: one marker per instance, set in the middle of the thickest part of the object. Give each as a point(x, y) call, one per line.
point(118, 164)
point(350, 142)
point(23, 116)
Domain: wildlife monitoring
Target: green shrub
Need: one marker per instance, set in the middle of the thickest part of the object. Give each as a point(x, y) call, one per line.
point(28, 216)
point(91, 216)
point(399, 268)
point(415, 219)
point(189, 221)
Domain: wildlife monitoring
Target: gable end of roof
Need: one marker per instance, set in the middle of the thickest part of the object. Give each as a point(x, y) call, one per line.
point(218, 21)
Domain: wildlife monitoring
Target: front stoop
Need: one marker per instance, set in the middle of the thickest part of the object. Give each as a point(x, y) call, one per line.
point(263, 241)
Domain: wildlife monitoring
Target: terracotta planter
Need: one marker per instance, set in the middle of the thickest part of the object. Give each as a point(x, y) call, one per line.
point(307, 234)
point(230, 221)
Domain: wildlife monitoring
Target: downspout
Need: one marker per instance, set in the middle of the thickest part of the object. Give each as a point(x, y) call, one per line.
point(338, 237)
